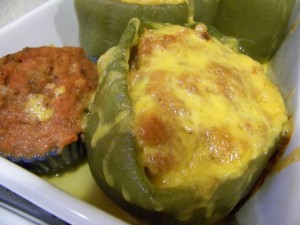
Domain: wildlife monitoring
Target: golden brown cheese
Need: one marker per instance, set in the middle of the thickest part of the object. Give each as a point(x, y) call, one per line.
point(203, 111)
point(45, 93)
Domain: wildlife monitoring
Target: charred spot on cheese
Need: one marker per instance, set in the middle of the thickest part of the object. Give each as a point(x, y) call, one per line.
point(202, 110)
point(152, 130)
point(45, 93)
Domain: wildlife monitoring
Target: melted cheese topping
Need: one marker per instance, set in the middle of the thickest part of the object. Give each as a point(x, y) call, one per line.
point(202, 111)
point(36, 106)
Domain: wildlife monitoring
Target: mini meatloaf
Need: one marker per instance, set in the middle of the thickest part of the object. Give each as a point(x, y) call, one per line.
point(45, 94)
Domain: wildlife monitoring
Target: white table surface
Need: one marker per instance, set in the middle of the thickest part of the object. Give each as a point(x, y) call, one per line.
point(12, 9)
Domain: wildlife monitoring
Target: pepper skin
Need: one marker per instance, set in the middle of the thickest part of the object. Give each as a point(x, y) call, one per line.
point(102, 22)
point(259, 25)
point(260, 31)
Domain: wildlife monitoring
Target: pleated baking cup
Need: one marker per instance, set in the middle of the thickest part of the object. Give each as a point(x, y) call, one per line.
point(53, 162)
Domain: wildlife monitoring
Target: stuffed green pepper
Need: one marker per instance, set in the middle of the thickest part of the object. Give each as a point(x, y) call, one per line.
point(260, 25)
point(182, 125)
point(102, 22)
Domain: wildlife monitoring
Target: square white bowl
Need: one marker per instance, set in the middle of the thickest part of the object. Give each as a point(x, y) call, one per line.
point(275, 203)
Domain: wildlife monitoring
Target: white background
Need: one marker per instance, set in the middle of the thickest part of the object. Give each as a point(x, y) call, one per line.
point(12, 9)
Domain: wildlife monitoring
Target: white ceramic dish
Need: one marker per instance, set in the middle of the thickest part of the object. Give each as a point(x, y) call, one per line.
point(276, 202)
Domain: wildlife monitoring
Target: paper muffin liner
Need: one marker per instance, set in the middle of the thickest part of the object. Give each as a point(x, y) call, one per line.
point(53, 162)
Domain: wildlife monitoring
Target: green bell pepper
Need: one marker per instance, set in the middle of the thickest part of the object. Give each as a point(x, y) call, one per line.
point(113, 158)
point(259, 25)
point(101, 22)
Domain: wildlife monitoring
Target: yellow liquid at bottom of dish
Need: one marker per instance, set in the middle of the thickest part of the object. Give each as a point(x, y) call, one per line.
point(79, 183)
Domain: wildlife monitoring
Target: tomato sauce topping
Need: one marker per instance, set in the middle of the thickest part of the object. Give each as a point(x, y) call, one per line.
point(45, 93)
